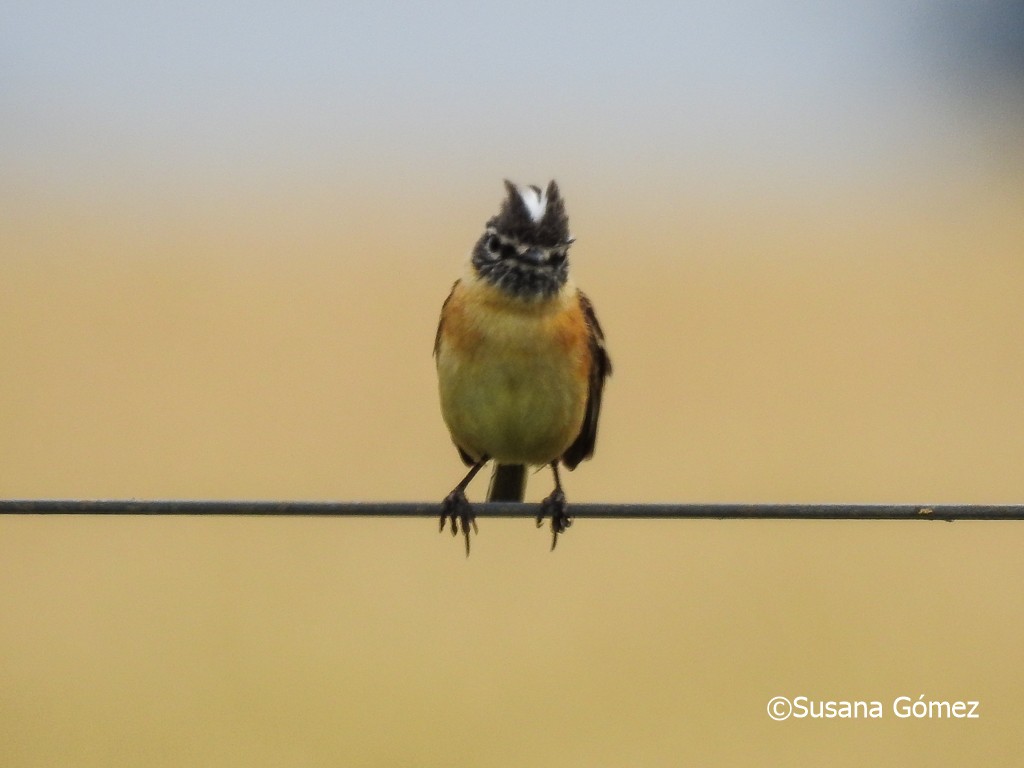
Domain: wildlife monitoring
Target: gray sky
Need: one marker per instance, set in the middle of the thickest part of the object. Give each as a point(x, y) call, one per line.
point(226, 93)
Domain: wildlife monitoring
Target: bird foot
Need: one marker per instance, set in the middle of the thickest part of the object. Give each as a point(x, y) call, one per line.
point(554, 507)
point(456, 509)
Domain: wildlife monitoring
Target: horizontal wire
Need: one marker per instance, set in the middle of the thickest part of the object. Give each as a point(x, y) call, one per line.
point(213, 508)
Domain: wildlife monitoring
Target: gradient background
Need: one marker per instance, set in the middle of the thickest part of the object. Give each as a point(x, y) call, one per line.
point(226, 233)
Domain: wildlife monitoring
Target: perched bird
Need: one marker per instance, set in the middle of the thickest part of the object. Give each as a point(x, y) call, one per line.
point(520, 356)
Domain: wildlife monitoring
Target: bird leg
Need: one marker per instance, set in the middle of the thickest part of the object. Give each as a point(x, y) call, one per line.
point(456, 508)
point(554, 507)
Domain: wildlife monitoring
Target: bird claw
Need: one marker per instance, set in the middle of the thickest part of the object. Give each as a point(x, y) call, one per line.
point(554, 507)
point(456, 509)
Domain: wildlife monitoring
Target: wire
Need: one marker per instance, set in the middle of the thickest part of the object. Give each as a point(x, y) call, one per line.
point(212, 508)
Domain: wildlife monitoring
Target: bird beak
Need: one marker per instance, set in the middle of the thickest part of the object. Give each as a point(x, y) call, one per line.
point(535, 256)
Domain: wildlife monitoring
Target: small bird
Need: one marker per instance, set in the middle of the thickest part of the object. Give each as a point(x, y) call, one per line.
point(520, 356)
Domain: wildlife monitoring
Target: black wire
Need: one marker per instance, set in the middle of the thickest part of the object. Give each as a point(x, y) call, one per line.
point(424, 509)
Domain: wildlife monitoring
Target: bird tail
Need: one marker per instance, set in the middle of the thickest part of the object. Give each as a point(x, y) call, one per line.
point(508, 483)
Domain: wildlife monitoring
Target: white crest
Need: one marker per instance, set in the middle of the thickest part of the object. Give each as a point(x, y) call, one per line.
point(536, 202)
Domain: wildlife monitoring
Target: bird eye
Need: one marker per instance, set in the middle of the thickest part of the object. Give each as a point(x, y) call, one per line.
point(494, 244)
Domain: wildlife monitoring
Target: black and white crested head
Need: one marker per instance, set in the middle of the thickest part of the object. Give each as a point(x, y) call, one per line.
point(524, 249)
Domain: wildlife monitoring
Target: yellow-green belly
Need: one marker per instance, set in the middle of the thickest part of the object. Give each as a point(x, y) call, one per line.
point(515, 393)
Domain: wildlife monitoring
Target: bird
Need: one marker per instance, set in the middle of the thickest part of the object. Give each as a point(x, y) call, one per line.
point(520, 357)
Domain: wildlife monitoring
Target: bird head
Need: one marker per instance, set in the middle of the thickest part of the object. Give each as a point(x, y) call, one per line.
point(524, 250)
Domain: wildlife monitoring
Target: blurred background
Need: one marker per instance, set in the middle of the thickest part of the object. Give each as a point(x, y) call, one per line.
point(225, 235)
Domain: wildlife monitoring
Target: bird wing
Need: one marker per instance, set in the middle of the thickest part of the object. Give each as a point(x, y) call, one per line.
point(600, 368)
point(466, 458)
